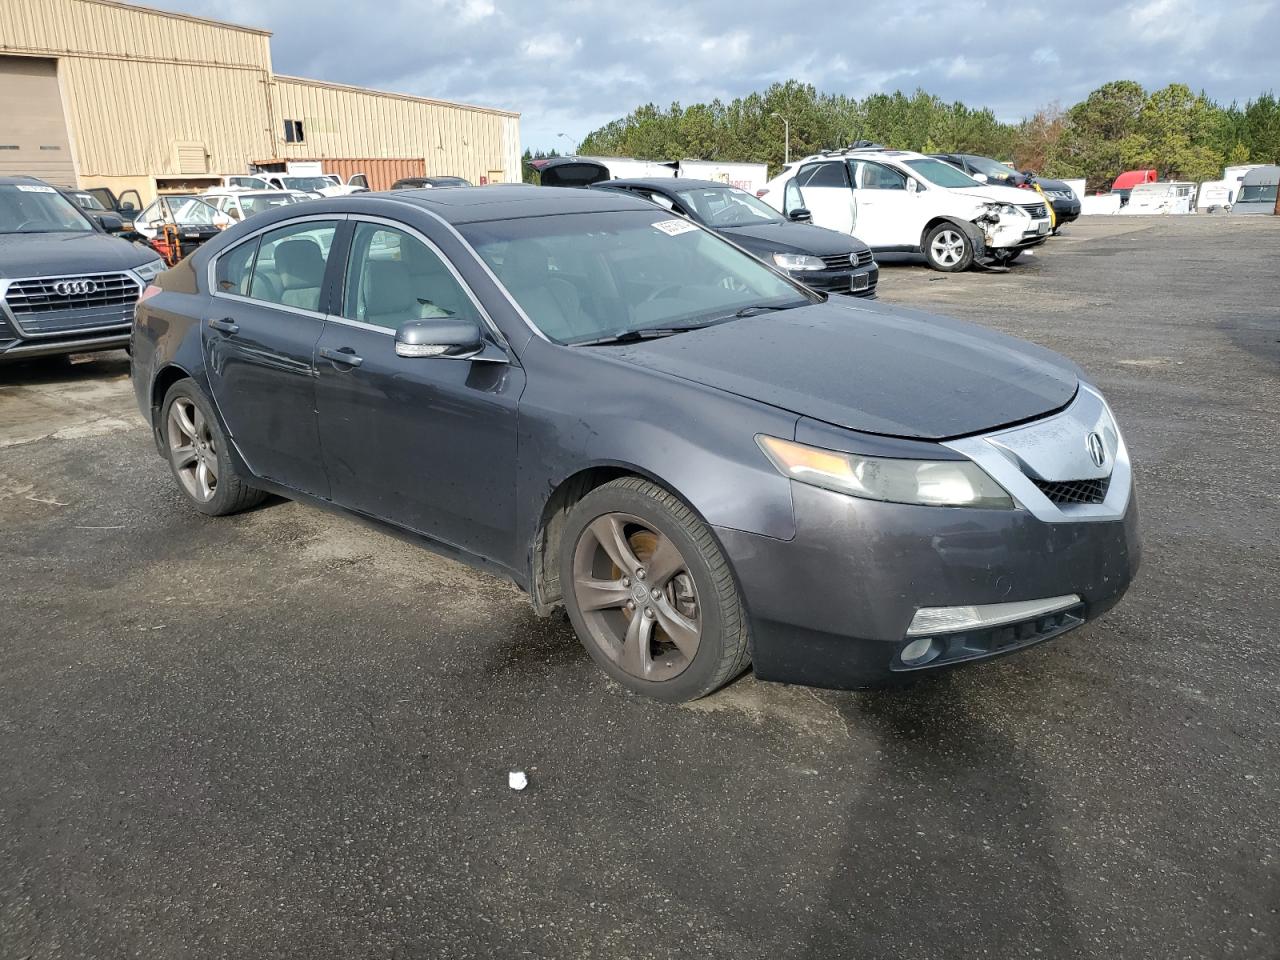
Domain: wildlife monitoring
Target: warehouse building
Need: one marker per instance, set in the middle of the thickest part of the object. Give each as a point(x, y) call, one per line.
point(102, 93)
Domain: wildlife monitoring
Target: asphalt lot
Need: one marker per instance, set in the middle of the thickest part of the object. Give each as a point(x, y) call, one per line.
point(285, 734)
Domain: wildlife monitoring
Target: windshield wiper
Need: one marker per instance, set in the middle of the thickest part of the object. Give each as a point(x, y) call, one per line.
point(635, 336)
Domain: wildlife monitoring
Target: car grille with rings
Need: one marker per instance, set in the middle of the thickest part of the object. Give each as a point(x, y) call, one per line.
point(47, 306)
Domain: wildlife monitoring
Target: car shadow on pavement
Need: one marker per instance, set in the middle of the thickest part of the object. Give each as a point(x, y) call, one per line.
point(964, 816)
point(64, 369)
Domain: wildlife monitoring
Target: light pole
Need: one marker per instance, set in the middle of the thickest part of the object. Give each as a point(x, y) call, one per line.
point(786, 142)
point(572, 141)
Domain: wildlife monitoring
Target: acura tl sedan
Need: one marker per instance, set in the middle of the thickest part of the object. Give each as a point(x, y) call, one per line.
point(708, 464)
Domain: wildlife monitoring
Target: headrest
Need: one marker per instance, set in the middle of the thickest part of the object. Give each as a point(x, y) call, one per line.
point(300, 263)
point(388, 289)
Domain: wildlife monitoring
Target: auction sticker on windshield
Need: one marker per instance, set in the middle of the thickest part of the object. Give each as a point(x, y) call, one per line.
point(34, 188)
point(673, 228)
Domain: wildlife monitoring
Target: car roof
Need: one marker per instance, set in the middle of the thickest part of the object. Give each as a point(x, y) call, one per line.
point(511, 201)
point(6, 181)
point(667, 184)
point(1261, 176)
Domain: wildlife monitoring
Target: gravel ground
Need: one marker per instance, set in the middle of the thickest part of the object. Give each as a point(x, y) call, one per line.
point(287, 735)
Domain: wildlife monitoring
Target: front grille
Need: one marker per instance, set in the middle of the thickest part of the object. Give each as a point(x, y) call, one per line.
point(1074, 491)
point(41, 311)
point(845, 261)
point(1036, 211)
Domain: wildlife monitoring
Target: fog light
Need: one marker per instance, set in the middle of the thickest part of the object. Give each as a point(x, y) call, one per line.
point(933, 620)
point(918, 651)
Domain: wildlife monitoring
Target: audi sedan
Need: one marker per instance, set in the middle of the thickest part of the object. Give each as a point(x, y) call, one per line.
point(705, 462)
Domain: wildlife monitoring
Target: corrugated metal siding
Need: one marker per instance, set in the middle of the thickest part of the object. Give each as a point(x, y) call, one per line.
point(343, 121)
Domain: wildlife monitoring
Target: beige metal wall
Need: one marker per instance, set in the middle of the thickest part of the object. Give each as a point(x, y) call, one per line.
point(138, 85)
point(342, 121)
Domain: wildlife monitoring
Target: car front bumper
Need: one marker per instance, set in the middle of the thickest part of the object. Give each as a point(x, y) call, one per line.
point(1065, 211)
point(860, 281)
point(25, 349)
point(831, 607)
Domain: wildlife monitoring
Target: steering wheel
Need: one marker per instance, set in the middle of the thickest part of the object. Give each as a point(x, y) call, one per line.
point(726, 216)
point(669, 288)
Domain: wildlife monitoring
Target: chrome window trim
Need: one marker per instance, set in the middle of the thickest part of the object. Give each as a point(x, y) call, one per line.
point(1088, 412)
point(440, 255)
point(7, 282)
point(211, 271)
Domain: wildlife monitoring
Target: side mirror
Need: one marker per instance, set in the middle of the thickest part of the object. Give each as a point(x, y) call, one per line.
point(110, 223)
point(800, 215)
point(981, 177)
point(456, 339)
point(913, 185)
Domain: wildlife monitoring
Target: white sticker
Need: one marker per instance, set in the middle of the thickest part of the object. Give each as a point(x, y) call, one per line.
point(34, 188)
point(673, 228)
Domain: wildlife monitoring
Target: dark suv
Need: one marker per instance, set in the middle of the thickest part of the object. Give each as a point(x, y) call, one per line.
point(66, 285)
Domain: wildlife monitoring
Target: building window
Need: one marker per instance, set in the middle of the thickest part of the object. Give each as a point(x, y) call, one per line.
point(293, 131)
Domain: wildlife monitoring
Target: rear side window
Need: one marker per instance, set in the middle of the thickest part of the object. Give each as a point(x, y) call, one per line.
point(393, 277)
point(235, 268)
point(291, 262)
point(823, 175)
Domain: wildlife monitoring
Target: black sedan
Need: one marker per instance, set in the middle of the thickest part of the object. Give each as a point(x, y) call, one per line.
point(707, 463)
point(822, 259)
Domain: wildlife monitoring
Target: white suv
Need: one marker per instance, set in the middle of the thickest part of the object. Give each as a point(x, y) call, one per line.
point(897, 201)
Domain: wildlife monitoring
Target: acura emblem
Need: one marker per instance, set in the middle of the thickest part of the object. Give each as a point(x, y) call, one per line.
point(73, 288)
point(1097, 452)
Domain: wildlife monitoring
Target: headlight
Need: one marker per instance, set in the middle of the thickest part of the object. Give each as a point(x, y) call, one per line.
point(150, 270)
point(940, 483)
point(798, 261)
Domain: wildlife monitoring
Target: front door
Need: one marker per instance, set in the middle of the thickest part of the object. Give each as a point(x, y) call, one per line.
point(426, 443)
point(825, 192)
point(264, 320)
point(888, 213)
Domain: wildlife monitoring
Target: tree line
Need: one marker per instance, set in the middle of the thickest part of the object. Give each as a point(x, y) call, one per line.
point(1119, 126)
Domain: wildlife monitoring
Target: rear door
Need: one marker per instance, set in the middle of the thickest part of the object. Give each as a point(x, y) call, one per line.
point(266, 316)
point(428, 443)
point(825, 191)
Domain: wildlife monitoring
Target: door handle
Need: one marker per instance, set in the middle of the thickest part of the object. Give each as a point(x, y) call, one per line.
point(345, 355)
point(225, 324)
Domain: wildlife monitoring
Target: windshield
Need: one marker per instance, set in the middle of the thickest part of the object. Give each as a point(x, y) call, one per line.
point(38, 208)
point(307, 183)
point(727, 207)
point(941, 174)
point(86, 201)
point(992, 170)
point(266, 201)
point(189, 210)
point(1257, 193)
point(587, 276)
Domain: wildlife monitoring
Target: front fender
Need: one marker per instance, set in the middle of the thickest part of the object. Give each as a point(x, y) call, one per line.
point(971, 230)
point(582, 411)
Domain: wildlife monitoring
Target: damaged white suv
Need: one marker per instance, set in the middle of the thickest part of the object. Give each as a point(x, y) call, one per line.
point(897, 201)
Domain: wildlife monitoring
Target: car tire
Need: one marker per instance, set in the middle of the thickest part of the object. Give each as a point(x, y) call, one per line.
point(948, 248)
point(649, 593)
point(196, 449)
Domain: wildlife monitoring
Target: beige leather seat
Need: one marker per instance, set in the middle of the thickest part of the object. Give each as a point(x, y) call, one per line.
point(300, 270)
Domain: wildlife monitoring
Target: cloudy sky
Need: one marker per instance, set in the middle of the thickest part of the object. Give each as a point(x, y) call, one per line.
point(572, 65)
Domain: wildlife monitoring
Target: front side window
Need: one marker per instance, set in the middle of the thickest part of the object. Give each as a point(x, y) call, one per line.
point(939, 173)
point(291, 262)
point(393, 277)
point(727, 207)
point(876, 176)
point(235, 268)
point(588, 276)
point(38, 208)
point(823, 175)
point(183, 211)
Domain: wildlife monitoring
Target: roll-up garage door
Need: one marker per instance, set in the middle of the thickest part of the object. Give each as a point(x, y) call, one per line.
point(33, 128)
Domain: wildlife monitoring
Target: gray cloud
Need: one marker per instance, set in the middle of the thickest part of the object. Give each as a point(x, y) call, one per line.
point(571, 66)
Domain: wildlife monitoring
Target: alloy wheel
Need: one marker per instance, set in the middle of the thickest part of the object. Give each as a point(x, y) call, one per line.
point(948, 247)
point(637, 597)
point(192, 450)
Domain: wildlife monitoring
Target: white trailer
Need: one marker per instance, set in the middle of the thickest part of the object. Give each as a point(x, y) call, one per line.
point(745, 176)
point(629, 168)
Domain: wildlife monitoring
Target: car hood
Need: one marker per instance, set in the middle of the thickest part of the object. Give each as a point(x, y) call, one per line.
point(871, 368)
point(787, 237)
point(994, 194)
point(59, 254)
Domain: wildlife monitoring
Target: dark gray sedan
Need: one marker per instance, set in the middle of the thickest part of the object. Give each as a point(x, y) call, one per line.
point(706, 463)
